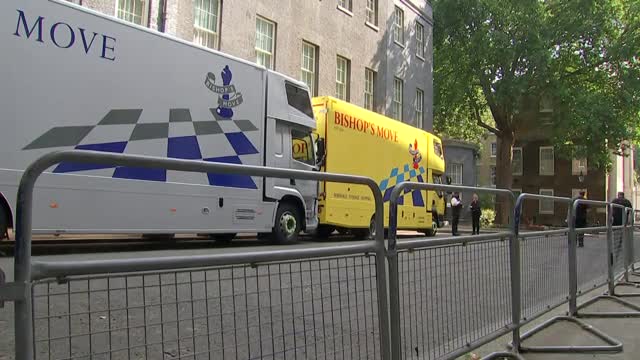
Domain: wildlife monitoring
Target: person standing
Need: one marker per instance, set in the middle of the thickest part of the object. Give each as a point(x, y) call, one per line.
point(476, 211)
point(618, 212)
point(456, 206)
point(581, 218)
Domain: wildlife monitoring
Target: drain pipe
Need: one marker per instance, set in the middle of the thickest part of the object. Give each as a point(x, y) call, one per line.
point(162, 15)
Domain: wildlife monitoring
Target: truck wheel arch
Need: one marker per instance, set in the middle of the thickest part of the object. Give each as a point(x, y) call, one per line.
point(5, 210)
point(294, 200)
point(293, 196)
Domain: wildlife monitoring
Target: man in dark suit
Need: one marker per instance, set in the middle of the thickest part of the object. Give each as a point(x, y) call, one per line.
point(618, 212)
point(581, 219)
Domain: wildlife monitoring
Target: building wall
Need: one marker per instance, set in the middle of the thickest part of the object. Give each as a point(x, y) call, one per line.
point(334, 31)
point(460, 152)
point(562, 183)
point(621, 178)
point(486, 161)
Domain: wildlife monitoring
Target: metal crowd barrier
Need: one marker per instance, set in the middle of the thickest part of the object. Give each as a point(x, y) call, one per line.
point(266, 303)
point(443, 297)
point(440, 286)
point(445, 294)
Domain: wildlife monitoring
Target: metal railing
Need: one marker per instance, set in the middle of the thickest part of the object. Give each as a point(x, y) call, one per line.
point(446, 293)
point(462, 331)
point(441, 298)
point(34, 286)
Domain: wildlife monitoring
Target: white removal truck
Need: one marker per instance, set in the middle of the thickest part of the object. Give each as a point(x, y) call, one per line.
point(73, 78)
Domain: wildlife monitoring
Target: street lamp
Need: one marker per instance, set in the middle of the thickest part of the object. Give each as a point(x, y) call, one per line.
point(581, 177)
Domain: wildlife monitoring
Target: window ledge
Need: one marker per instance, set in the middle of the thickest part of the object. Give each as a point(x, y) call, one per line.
point(399, 44)
point(372, 26)
point(345, 10)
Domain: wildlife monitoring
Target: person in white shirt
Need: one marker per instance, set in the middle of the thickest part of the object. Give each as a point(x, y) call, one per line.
point(456, 206)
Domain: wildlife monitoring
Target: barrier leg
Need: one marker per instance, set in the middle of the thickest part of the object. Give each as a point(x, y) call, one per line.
point(612, 345)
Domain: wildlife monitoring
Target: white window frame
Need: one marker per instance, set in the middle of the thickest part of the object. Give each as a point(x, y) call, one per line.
point(311, 70)
point(541, 210)
point(578, 165)
point(128, 15)
point(396, 104)
point(420, 41)
point(346, 6)
point(551, 171)
point(494, 149)
point(369, 88)
point(419, 108)
point(262, 38)
point(342, 78)
point(398, 26)
point(517, 172)
point(371, 13)
point(453, 173)
point(205, 36)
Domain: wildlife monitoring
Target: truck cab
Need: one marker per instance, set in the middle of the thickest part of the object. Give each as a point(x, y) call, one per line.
point(290, 144)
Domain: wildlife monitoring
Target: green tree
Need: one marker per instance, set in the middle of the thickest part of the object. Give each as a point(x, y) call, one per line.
point(503, 57)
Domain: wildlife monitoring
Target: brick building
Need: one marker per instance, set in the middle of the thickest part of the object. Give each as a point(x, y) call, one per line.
point(373, 53)
point(539, 169)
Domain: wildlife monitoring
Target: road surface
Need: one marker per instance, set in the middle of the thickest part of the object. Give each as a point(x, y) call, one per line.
point(324, 308)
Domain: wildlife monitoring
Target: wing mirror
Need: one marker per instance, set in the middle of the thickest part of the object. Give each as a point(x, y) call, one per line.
point(320, 151)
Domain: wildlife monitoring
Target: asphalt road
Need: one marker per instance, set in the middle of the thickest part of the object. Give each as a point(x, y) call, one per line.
point(323, 308)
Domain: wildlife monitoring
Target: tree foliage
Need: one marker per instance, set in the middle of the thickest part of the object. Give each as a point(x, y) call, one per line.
point(502, 57)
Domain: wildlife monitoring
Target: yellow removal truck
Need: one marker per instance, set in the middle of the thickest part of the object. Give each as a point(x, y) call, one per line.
point(362, 142)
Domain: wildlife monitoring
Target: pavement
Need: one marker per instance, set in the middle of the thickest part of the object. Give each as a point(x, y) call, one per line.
point(563, 333)
point(317, 309)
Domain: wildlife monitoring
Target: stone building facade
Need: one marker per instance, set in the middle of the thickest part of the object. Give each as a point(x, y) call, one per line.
point(373, 53)
point(460, 157)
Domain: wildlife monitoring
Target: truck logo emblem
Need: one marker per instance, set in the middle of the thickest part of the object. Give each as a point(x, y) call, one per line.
point(228, 97)
point(417, 157)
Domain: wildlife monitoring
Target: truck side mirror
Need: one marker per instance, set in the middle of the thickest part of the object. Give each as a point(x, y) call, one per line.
point(320, 152)
point(448, 180)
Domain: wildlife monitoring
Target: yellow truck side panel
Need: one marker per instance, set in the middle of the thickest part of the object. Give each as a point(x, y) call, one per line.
point(361, 142)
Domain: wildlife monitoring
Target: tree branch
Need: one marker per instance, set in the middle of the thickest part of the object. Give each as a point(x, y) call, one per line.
point(482, 124)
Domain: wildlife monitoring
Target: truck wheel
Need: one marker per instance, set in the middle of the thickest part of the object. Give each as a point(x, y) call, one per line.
point(4, 223)
point(288, 224)
point(367, 234)
point(222, 238)
point(433, 231)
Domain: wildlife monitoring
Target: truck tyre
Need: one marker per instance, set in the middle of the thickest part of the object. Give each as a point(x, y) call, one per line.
point(369, 233)
point(4, 223)
point(288, 223)
point(433, 231)
point(222, 238)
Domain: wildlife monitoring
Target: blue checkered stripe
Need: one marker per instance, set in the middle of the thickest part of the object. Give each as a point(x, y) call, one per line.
point(408, 174)
point(179, 136)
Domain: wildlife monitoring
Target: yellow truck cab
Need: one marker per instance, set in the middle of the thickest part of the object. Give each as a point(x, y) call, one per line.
point(361, 142)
